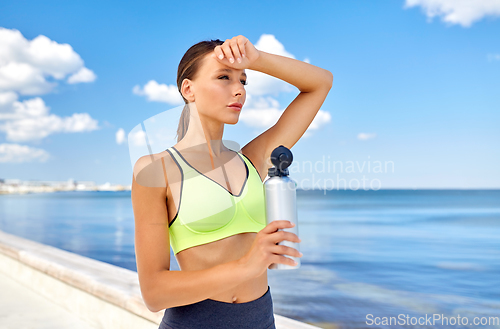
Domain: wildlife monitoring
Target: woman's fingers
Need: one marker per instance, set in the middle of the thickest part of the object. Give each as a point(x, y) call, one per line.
point(218, 52)
point(238, 53)
point(284, 235)
point(283, 260)
point(241, 44)
point(265, 250)
point(285, 250)
point(228, 53)
point(231, 51)
point(276, 225)
point(235, 48)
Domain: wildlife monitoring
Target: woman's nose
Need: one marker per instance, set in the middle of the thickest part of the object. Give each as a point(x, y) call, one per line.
point(239, 90)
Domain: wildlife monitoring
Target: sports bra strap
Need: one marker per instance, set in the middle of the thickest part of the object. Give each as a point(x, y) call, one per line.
point(184, 166)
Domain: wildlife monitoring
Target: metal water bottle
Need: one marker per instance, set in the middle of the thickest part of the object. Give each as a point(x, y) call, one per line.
point(281, 195)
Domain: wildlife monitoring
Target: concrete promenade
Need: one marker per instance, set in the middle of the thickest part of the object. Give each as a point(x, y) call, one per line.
point(46, 287)
point(20, 307)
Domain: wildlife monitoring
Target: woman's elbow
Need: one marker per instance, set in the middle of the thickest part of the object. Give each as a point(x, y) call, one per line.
point(149, 301)
point(324, 81)
point(329, 79)
point(151, 308)
point(152, 297)
point(154, 310)
point(152, 304)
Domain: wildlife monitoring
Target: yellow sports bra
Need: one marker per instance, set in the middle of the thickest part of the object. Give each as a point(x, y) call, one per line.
point(208, 212)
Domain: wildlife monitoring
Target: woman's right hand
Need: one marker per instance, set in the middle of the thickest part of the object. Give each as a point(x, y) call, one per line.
point(265, 250)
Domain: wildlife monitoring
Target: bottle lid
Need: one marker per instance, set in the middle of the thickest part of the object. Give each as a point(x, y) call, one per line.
point(282, 158)
point(273, 171)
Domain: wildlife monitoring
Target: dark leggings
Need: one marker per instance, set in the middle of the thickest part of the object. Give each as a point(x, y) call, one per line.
point(209, 313)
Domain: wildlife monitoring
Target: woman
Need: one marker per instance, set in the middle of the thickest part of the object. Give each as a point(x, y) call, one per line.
point(216, 222)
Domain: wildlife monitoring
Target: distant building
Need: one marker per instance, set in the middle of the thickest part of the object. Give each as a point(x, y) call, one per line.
point(17, 186)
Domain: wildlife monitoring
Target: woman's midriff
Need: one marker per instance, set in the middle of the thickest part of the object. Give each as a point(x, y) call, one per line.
point(223, 251)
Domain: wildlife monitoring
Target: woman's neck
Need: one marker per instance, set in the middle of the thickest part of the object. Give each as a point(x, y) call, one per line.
point(204, 134)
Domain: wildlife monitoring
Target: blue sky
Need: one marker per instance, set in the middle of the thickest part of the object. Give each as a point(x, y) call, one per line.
point(416, 85)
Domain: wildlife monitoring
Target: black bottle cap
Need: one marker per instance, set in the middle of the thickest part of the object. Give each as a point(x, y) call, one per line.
point(282, 158)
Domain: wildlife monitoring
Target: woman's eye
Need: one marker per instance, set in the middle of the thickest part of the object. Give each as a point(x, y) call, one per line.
point(244, 82)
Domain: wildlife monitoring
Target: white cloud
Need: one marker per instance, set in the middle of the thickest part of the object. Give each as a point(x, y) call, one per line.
point(6, 100)
point(120, 136)
point(491, 57)
point(156, 92)
point(137, 138)
point(269, 44)
point(20, 153)
point(264, 112)
point(366, 136)
point(24, 79)
point(260, 112)
point(264, 84)
point(463, 12)
point(260, 118)
point(30, 119)
point(25, 65)
point(84, 75)
point(321, 119)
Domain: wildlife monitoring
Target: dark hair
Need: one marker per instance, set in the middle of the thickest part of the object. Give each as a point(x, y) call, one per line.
point(188, 69)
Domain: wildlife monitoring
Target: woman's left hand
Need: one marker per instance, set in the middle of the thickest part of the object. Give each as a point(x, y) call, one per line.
point(238, 53)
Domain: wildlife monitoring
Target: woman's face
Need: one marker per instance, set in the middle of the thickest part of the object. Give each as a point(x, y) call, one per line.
point(215, 87)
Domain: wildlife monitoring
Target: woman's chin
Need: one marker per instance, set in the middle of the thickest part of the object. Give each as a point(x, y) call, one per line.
point(231, 122)
point(232, 119)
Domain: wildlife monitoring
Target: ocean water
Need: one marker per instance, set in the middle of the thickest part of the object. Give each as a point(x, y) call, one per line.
point(410, 255)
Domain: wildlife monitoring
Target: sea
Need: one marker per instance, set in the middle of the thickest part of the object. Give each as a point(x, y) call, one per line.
point(372, 259)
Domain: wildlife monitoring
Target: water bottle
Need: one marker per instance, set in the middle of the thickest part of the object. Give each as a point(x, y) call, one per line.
point(280, 193)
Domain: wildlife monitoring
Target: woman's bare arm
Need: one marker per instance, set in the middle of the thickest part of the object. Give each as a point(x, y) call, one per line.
point(306, 77)
point(175, 288)
point(313, 82)
point(160, 287)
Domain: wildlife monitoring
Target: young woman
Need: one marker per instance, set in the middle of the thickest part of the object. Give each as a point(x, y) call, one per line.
point(214, 213)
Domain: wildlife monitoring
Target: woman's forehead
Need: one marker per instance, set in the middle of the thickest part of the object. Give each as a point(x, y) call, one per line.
point(212, 65)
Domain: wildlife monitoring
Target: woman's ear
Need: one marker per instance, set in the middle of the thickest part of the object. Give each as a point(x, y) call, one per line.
point(187, 89)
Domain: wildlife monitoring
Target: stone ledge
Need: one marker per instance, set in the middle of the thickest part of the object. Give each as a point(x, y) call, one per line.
point(113, 284)
point(104, 295)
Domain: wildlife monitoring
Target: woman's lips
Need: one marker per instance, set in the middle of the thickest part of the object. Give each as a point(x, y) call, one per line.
point(235, 106)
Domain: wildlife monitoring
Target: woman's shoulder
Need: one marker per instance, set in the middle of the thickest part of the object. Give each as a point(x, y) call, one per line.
point(148, 159)
point(153, 169)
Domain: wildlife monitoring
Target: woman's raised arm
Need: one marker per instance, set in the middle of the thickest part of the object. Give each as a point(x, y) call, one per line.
point(313, 82)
